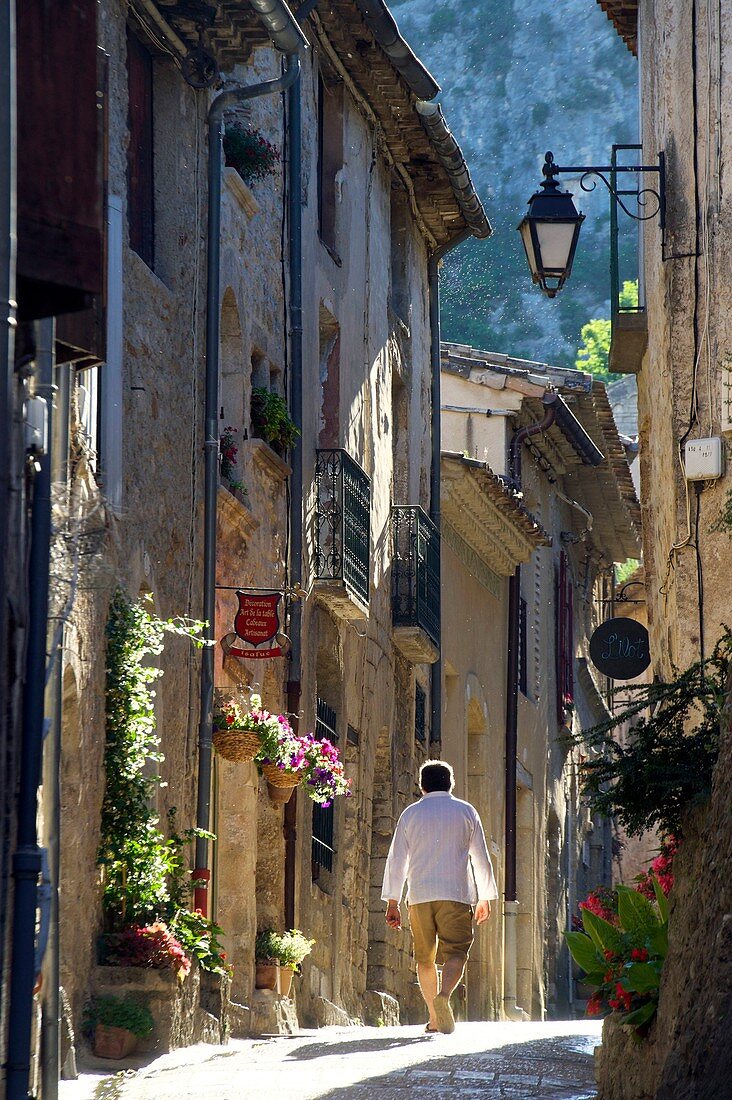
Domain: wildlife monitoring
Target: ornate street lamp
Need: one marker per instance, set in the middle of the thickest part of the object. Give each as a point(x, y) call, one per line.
point(550, 232)
point(551, 228)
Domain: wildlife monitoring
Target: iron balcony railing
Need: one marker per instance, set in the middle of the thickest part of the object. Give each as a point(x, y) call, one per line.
point(343, 535)
point(415, 571)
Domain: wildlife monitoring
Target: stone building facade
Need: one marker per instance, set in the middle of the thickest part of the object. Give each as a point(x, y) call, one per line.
point(566, 522)
point(384, 190)
point(682, 367)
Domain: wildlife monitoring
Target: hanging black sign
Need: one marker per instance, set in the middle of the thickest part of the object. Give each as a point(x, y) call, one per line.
point(619, 649)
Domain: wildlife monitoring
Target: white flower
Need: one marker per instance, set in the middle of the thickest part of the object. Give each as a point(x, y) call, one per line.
point(256, 701)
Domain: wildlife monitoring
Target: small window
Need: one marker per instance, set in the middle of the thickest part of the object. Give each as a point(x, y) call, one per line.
point(323, 845)
point(140, 180)
point(399, 296)
point(330, 158)
point(420, 714)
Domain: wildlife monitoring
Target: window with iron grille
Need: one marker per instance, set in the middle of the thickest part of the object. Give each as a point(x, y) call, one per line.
point(323, 846)
point(523, 642)
point(420, 700)
point(565, 640)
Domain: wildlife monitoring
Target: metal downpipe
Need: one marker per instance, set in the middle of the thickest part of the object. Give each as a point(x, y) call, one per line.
point(8, 477)
point(51, 1003)
point(294, 201)
point(510, 905)
point(27, 856)
point(228, 98)
point(433, 283)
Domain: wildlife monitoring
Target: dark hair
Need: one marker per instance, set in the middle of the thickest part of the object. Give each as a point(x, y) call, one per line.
point(434, 775)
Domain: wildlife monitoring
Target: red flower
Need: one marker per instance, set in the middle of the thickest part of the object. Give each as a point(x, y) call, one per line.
point(594, 1005)
point(639, 954)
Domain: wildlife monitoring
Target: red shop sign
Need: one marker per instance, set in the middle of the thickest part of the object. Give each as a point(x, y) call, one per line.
point(256, 624)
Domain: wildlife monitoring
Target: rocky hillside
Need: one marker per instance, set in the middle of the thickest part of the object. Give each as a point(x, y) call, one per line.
point(518, 79)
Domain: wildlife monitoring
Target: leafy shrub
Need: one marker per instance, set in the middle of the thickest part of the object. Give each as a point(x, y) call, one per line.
point(116, 1012)
point(200, 937)
point(667, 763)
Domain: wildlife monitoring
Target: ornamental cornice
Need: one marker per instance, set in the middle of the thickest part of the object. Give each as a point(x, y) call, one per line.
point(487, 516)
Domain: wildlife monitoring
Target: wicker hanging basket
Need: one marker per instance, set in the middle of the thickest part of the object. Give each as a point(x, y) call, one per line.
point(236, 745)
point(280, 777)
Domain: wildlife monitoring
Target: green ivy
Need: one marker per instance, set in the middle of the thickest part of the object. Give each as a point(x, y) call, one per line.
point(667, 760)
point(139, 863)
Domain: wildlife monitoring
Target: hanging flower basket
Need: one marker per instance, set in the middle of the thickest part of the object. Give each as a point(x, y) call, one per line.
point(236, 745)
point(280, 782)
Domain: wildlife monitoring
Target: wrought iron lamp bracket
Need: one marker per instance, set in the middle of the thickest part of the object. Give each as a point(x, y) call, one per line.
point(606, 173)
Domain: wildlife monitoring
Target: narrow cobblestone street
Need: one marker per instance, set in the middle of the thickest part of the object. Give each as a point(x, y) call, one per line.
point(553, 1061)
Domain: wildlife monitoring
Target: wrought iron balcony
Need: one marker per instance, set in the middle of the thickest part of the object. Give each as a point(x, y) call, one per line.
point(415, 583)
point(343, 529)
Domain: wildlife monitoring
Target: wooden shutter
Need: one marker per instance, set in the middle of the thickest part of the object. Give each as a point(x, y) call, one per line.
point(565, 640)
point(140, 183)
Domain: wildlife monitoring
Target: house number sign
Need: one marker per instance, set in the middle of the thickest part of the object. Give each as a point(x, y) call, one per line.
point(619, 649)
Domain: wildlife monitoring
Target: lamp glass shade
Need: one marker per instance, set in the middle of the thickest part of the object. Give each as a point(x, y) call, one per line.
point(549, 232)
point(556, 241)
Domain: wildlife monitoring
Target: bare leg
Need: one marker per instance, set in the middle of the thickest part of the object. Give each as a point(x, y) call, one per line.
point(452, 972)
point(427, 978)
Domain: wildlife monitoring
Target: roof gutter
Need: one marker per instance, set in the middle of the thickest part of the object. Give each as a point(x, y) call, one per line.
point(383, 26)
point(570, 428)
point(453, 161)
point(280, 24)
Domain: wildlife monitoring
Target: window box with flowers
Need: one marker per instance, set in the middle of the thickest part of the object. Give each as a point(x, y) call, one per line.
point(228, 452)
point(248, 151)
point(271, 420)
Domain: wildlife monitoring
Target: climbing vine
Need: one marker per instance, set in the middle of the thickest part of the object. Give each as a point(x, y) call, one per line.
point(667, 761)
point(139, 863)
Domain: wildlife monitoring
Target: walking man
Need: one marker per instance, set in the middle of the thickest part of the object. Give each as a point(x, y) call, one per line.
point(439, 850)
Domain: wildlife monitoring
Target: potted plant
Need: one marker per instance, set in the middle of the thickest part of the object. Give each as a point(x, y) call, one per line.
point(117, 1025)
point(271, 419)
point(246, 150)
point(267, 949)
point(294, 948)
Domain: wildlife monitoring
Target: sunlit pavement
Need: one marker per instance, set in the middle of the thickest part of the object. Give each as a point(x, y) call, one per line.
point(553, 1061)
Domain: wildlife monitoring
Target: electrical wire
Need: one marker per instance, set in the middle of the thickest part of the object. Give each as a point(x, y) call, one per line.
point(699, 571)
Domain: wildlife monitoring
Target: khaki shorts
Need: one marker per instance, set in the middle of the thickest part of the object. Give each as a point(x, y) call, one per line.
point(441, 930)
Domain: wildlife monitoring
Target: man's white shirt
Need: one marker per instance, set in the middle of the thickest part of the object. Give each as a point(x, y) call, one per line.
point(439, 850)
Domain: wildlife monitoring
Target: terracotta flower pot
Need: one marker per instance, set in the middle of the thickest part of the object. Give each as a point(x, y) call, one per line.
point(113, 1042)
point(267, 976)
point(286, 976)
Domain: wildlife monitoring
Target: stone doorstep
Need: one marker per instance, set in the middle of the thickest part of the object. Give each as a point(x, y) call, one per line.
point(270, 1014)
